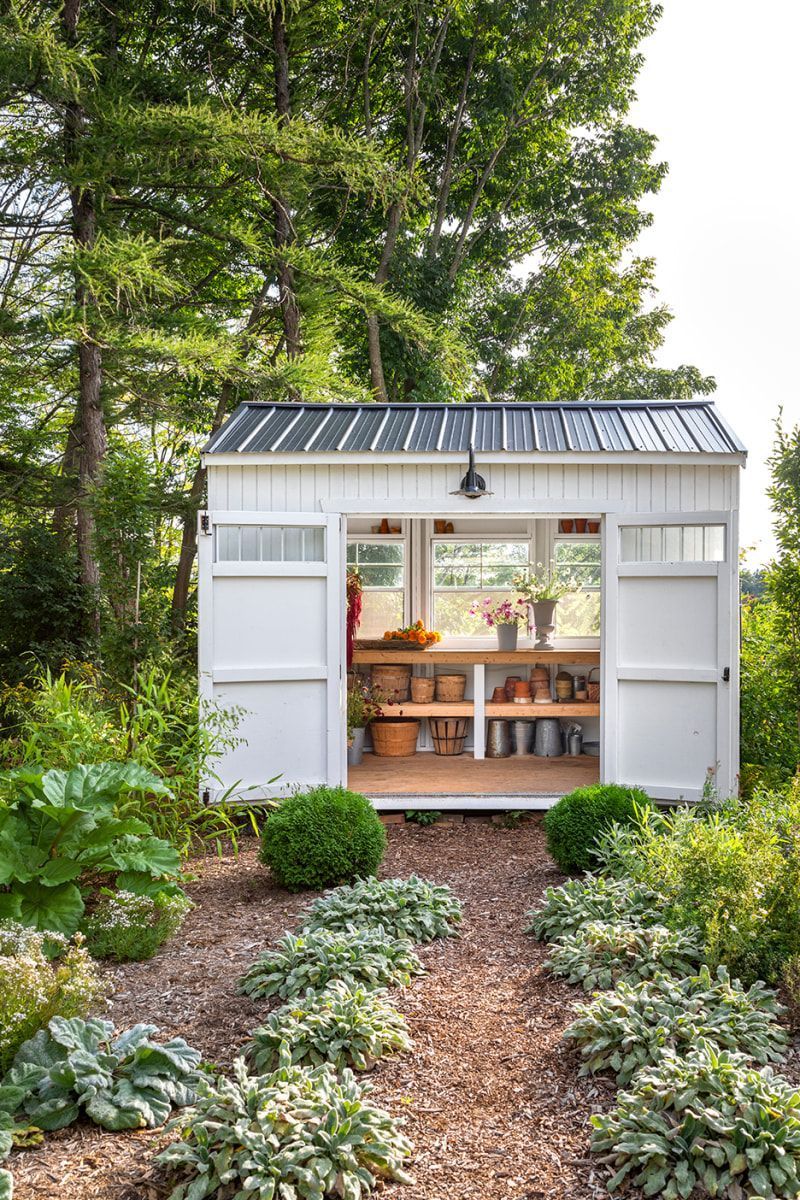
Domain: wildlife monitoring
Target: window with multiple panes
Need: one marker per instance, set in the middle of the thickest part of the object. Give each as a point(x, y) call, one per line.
point(672, 543)
point(578, 613)
point(382, 567)
point(465, 572)
point(270, 543)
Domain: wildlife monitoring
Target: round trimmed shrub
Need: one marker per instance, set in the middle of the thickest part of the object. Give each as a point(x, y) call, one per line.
point(323, 837)
point(574, 823)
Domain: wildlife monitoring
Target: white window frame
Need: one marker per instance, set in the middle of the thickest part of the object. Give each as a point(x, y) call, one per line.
point(489, 639)
point(401, 539)
point(593, 640)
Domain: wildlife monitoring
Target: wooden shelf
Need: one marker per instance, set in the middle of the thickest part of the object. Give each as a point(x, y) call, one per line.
point(487, 657)
point(466, 708)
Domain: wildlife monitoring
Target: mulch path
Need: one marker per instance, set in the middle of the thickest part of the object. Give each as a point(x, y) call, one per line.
point(491, 1096)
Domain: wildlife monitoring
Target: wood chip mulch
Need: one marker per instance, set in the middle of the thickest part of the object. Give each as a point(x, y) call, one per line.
point(491, 1096)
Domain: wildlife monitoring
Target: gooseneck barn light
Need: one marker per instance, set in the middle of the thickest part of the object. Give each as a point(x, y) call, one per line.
point(473, 485)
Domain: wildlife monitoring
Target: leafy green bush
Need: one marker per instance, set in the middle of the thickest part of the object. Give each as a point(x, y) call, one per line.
point(322, 837)
point(371, 957)
point(131, 927)
point(413, 908)
point(593, 898)
point(56, 826)
point(733, 872)
point(574, 823)
point(41, 976)
point(120, 1083)
point(300, 1133)
point(707, 1123)
point(631, 1026)
point(162, 724)
point(346, 1026)
point(601, 953)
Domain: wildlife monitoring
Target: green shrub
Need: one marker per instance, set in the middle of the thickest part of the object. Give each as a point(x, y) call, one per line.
point(57, 826)
point(346, 1026)
point(131, 927)
point(593, 898)
point(313, 960)
point(734, 873)
point(705, 1124)
point(119, 1083)
point(300, 1132)
point(41, 976)
point(600, 954)
point(631, 1026)
point(574, 823)
point(322, 837)
point(413, 908)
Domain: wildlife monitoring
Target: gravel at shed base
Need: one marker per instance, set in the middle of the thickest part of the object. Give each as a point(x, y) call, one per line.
point(490, 1095)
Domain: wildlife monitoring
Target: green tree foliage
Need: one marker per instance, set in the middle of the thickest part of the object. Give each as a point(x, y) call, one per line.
point(783, 575)
point(203, 203)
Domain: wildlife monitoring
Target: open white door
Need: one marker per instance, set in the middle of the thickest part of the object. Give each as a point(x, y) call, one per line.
point(271, 645)
point(670, 653)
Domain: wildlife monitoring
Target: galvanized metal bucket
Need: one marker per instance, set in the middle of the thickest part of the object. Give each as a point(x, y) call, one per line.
point(549, 741)
point(498, 739)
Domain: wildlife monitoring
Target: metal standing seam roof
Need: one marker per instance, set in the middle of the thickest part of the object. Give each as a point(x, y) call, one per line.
point(585, 427)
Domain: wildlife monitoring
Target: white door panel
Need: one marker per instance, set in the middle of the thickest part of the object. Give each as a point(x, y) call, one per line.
point(270, 645)
point(669, 653)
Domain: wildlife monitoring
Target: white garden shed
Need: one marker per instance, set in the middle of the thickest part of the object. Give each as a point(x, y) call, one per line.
point(639, 498)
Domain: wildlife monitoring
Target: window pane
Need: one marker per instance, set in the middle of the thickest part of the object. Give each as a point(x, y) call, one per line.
point(577, 552)
point(578, 615)
point(228, 543)
point(381, 577)
point(451, 615)
point(457, 577)
point(506, 552)
point(380, 611)
point(456, 552)
point(377, 552)
point(672, 543)
point(499, 576)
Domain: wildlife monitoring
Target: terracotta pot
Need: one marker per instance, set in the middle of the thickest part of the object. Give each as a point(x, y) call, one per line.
point(509, 686)
point(566, 526)
point(540, 675)
point(522, 691)
point(593, 526)
point(580, 524)
point(499, 696)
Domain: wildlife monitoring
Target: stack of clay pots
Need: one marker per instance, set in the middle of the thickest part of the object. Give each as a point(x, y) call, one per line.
point(522, 692)
point(540, 686)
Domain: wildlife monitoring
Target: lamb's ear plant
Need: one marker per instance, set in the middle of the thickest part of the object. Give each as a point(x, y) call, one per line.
point(122, 1082)
point(633, 1025)
point(566, 908)
point(345, 1025)
point(413, 908)
point(298, 1134)
point(704, 1124)
point(601, 953)
point(370, 957)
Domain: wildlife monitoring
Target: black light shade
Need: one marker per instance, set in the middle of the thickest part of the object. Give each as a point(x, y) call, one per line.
point(473, 485)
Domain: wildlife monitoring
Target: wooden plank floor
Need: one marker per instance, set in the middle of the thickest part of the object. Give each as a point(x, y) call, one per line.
point(435, 774)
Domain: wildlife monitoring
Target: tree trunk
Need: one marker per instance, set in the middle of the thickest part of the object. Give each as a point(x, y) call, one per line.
point(290, 309)
point(90, 426)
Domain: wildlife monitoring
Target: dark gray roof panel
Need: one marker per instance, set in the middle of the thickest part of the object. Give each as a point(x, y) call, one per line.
point(587, 427)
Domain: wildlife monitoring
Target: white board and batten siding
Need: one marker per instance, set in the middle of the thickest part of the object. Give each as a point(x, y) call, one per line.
point(312, 487)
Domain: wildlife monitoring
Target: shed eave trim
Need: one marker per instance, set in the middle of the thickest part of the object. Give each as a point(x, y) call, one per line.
point(541, 457)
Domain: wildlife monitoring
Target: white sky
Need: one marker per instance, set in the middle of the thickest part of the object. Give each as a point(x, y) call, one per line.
point(721, 90)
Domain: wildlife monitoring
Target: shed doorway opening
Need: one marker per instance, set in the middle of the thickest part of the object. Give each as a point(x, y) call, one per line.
point(440, 571)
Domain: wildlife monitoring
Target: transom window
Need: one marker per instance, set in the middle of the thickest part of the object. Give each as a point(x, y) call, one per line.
point(464, 572)
point(382, 568)
point(672, 543)
point(578, 613)
point(270, 543)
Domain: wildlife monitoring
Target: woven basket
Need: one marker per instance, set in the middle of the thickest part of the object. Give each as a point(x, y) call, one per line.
point(448, 734)
point(394, 737)
point(391, 682)
point(422, 689)
point(451, 688)
point(592, 687)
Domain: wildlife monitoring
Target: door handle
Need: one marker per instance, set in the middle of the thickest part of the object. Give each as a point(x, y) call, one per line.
point(726, 675)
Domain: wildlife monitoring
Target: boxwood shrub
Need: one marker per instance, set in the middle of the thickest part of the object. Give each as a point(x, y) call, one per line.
point(574, 823)
point(322, 837)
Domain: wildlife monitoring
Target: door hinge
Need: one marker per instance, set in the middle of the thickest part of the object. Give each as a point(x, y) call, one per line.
point(726, 675)
point(205, 522)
